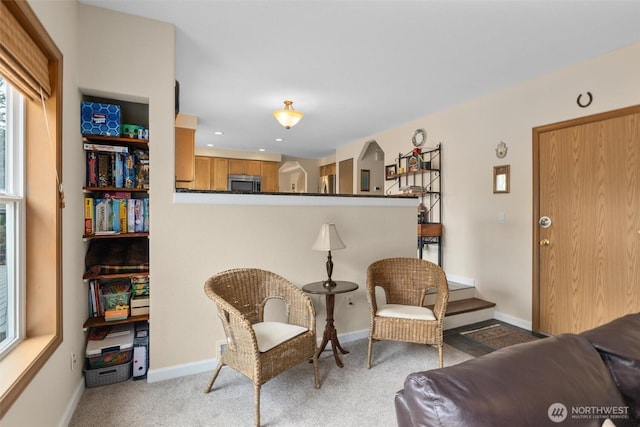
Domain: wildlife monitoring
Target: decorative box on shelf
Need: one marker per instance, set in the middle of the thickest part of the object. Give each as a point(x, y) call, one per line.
point(430, 230)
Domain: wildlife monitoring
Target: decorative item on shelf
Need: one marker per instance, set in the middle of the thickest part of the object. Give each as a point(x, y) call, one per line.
point(328, 240)
point(422, 213)
point(288, 117)
point(419, 137)
point(390, 172)
point(412, 190)
point(501, 150)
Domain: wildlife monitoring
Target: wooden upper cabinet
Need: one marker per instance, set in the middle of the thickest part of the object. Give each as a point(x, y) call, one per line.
point(329, 169)
point(219, 173)
point(270, 177)
point(245, 167)
point(185, 154)
point(202, 173)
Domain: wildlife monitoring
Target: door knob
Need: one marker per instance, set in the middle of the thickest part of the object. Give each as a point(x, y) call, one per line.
point(544, 222)
point(545, 242)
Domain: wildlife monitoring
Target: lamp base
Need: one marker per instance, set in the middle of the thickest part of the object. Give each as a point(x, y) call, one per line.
point(329, 283)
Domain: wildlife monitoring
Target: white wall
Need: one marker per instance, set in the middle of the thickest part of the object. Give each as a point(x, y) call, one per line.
point(499, 257)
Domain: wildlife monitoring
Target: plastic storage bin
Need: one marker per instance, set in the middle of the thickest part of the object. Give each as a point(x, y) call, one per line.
point(108, 375)
point(115, 349)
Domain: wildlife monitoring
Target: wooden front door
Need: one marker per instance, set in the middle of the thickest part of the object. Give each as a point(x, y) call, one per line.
point(587, 259)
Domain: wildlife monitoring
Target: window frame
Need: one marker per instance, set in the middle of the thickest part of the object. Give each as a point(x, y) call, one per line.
point(13, 195)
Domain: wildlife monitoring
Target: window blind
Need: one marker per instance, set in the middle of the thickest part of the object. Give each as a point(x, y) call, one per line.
point(22, 62)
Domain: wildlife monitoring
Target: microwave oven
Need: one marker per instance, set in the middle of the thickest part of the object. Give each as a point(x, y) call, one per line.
point(245, 183)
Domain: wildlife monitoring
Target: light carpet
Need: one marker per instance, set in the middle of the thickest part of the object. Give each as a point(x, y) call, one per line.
point(351, 396)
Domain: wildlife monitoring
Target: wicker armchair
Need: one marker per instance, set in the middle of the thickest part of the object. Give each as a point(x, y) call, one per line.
point(403, 316)
point(257, 349)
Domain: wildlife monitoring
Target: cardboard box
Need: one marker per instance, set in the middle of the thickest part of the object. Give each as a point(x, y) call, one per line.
point(99, 119)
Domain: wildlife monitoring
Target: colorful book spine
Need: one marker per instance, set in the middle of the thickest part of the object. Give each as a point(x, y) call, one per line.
point(145, 222)
point(92, 169)
point(123, 215)
point(129, 171)
point(131, 216)
point(118, 170)
point(103, 216)
point(139, 212)
point(104, 170)
point(89, 226)
point(115, 215)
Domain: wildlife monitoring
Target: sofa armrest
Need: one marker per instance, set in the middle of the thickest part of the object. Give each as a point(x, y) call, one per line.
point(514, 386)
point(403, 414)
point(618, 343)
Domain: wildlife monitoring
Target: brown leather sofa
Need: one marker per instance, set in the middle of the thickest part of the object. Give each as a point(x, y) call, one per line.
point(564, 380)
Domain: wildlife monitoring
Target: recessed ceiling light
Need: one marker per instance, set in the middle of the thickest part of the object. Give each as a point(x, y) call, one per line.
point(262, 149)
point(279, 139)
point(217, 132)
point(209, 145)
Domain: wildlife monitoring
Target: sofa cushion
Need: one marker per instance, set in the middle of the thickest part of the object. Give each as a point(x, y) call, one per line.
point(618, 343)
point(513, 386)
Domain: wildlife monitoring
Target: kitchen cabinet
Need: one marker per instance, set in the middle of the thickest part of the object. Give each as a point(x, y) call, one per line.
point(269, 175)
point(245, 167)
point(202, 173)
point(185, 155)
point(327, 170)
point(219, 173)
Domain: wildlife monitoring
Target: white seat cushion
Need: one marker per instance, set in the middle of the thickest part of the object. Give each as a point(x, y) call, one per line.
point(405, 312)
point(270, 334)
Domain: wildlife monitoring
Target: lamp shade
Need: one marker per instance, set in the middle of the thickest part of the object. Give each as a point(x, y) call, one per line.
point(328, 239)
point(288, 117)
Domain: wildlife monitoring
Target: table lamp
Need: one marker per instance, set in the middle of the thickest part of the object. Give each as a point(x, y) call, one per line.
point(328, 240)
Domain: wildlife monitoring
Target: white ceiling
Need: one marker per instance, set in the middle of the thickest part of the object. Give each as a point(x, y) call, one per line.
point(355, 68)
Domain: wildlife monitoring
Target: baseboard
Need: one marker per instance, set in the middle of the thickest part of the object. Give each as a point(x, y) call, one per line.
point(352, 336)
point(177, 371)
point(73, 404)
point(515, 321)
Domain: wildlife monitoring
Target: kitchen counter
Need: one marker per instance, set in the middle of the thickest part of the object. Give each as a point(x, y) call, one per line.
point(290, 199)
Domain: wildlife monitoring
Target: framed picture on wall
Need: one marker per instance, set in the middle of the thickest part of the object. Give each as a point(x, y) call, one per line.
point(390, 172)
point(365, 177)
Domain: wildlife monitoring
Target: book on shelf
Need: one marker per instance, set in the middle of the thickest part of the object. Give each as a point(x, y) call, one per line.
point(105, 148)
point(88, 216)
point(129, 171)
point(118, 169)
point(139, 301)
point(114, 215)
point(139, 311)
point(92, 169)
point(103, 216)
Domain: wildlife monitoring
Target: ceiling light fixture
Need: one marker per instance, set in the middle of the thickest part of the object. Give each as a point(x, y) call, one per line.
point(288, 117)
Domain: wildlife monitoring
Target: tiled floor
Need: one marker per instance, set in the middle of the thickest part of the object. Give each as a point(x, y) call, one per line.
point(469, 346)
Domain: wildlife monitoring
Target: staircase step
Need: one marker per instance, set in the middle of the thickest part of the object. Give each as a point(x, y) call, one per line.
point(467, 305)
point(467, 311)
